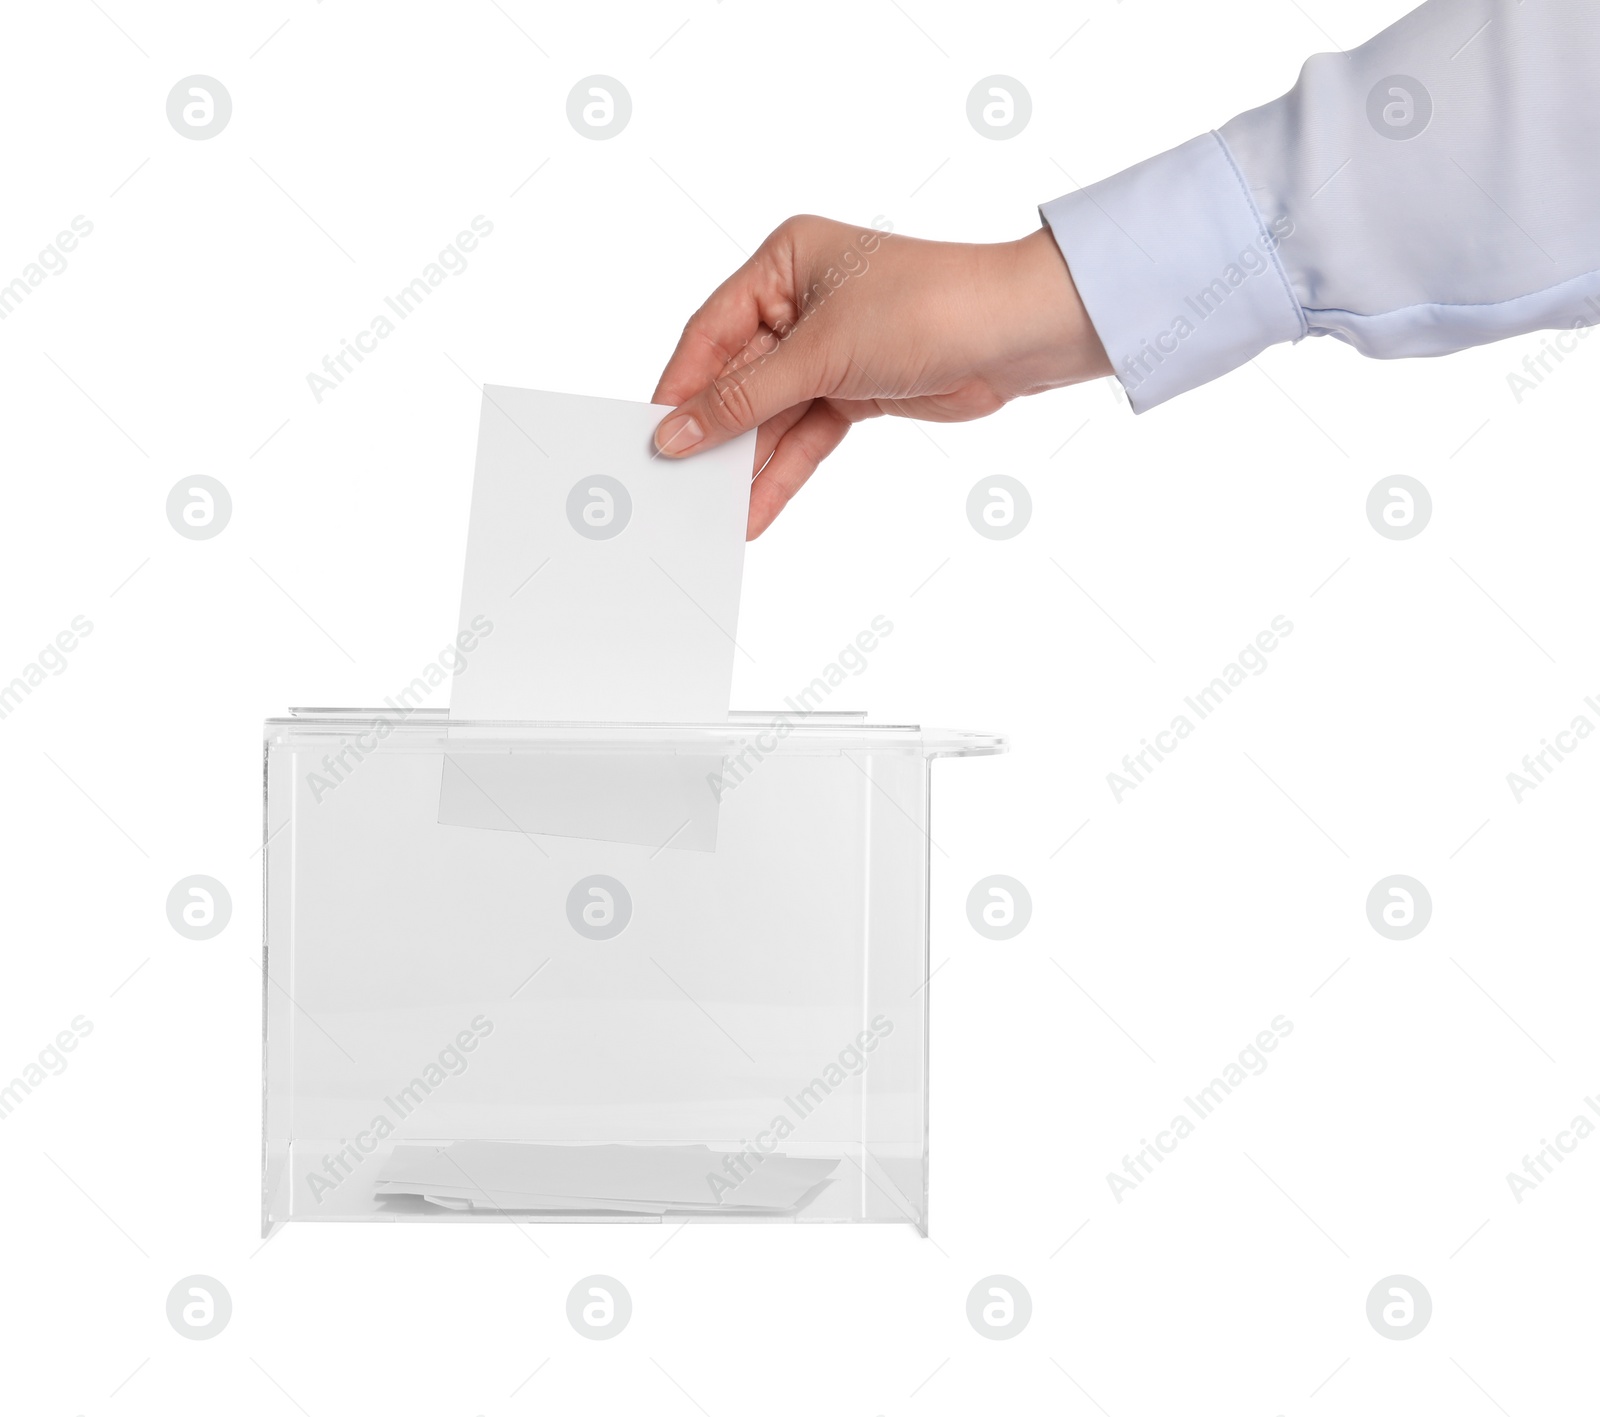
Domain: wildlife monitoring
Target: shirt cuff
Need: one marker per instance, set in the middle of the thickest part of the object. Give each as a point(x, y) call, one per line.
point(1177, 270)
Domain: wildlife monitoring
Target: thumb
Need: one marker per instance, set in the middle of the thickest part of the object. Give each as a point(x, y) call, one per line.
point(736, 401)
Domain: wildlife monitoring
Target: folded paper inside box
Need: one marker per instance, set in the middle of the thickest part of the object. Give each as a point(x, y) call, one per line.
point(500, 1176)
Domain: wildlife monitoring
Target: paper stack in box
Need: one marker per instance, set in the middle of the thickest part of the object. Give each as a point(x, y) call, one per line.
point(504, 1176)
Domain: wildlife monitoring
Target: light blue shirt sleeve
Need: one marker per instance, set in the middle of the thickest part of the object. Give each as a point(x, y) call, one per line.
point(1434, 189)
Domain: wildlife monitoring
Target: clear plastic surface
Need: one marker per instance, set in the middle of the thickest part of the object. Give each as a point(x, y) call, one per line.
point(656, 972)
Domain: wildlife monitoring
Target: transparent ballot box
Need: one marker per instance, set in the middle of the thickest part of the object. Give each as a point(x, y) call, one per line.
point(537, 971)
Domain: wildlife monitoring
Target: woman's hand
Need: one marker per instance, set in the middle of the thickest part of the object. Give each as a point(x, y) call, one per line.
point(828, 324)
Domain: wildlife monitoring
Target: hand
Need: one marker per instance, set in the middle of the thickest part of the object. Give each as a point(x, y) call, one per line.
point(828, 324)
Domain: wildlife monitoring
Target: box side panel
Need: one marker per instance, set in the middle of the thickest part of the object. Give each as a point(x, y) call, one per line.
point(277, 958)
point(894, 1123)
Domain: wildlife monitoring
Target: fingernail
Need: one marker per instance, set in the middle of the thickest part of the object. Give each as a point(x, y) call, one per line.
point(678, 434)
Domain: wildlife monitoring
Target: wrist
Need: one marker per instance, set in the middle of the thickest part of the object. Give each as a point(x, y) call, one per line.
point(1051, 340)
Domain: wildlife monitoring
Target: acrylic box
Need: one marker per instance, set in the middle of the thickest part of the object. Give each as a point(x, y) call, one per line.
point(539, 971)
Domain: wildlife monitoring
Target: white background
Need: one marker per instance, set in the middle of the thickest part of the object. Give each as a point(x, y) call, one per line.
point(1167, 933)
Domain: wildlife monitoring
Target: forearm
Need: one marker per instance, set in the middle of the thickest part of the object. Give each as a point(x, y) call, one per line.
point(1031, 308)
point(1431, 190)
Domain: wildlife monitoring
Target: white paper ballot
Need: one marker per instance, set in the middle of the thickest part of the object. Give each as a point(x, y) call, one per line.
point(498, 1175)
point(647, 799)
point(610, 576)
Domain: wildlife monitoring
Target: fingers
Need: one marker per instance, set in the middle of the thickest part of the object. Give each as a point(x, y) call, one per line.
point(740, 399)
point(731, 371)
point(722, 331)
point(817, 433)
point(714, 336)
point(770, 433)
